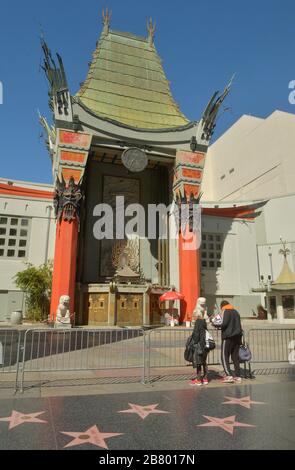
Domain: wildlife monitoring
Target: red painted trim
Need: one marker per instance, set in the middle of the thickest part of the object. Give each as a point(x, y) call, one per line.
point(69, 172)
point(75, 138)
point(190, 173)
point(242, 212)
point(190, 157)
point(191, 189)
point(12, 190)
point(73, 156)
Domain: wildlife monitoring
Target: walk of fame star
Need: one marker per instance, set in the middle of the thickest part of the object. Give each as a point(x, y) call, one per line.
point(143, 411)
point(246, 402)
point(91, 436)
point(227, 424)
point(16, 419)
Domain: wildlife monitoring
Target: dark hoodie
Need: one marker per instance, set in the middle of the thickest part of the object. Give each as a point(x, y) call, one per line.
point(231, 324)
point(199, 338)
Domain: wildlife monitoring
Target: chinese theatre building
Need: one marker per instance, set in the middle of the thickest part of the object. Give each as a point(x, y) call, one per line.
point(122, 135)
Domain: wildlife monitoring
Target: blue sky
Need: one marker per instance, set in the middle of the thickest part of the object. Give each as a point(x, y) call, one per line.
point(202, 43)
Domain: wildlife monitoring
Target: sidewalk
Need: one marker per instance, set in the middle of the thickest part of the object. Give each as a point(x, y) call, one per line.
point(79, 383)
point(247, 324)
point(257, 414)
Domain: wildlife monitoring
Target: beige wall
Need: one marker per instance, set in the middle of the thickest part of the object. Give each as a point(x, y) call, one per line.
point(276, 221)
point(253, 160)
point(239, 272)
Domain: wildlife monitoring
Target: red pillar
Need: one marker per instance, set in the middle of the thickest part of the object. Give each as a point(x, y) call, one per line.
point(189, 273)
point(65, 262)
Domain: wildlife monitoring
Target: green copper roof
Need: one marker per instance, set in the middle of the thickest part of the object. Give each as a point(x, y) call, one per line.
point(126, 83)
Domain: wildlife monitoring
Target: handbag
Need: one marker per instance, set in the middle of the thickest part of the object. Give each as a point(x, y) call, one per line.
point(210, 343)
point(245, 354)
point(189, 349)
point(217, 320)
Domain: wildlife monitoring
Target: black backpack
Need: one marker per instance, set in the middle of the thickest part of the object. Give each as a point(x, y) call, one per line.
point(189, 349)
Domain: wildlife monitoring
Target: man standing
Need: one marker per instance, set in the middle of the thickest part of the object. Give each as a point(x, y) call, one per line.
point(231, 340)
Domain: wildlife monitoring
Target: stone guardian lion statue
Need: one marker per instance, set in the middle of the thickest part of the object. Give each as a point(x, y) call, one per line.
point(63, 313)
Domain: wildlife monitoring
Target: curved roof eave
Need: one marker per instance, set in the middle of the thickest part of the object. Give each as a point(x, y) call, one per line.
point(187, 126)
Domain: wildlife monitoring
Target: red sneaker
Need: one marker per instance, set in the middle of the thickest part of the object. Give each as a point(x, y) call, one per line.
point(205, 382)
point(196, 382)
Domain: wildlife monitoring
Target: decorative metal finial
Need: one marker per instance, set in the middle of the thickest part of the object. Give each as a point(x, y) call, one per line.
point(51, 134)
point(106, 18)
point(151, 29)
point(284, 251)
point(210, 114)
point(42, 35)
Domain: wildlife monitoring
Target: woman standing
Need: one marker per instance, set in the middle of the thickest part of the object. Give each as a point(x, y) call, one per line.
point(200, 353)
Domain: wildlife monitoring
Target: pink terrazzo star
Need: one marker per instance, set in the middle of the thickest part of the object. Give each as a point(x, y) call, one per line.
point(227, 424)
point(91, 436)
point(143, 411)
point(16, 419)
point(246, 402)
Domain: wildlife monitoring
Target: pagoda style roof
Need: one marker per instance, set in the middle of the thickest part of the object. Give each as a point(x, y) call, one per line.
point(286, 280)
point(126, 83)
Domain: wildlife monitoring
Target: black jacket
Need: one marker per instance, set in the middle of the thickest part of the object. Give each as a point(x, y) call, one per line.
point(199, 338)
point(231, 324)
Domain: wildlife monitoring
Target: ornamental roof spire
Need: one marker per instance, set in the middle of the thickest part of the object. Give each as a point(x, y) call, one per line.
point(284, 251)
point(106, 18)
point(151, 29)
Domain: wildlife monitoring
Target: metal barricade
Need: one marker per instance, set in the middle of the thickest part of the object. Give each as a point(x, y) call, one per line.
point(10, 344)
point(77, 349)
point(165, 347)
point(272, 345)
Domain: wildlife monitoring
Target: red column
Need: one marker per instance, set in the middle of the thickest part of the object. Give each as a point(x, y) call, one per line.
point(189, 273)
point(65, 262)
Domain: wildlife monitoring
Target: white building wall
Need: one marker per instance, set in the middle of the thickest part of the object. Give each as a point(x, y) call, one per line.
point(279, 214)
point(277, 222)
point(239, 272)
point(38, 211)
point(41, 243)
point(253, 160)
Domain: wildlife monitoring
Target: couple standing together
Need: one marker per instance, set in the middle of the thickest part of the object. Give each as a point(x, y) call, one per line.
point(231, 334)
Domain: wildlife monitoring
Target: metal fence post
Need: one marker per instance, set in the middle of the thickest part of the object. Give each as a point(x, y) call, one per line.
point(19, 347)
point(22, 363)
point(149, 358)
point(9, 352)
point(143, 359)
point(146, 358)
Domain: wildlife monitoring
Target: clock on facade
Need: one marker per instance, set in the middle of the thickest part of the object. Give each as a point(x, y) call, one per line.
point(135, 160)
